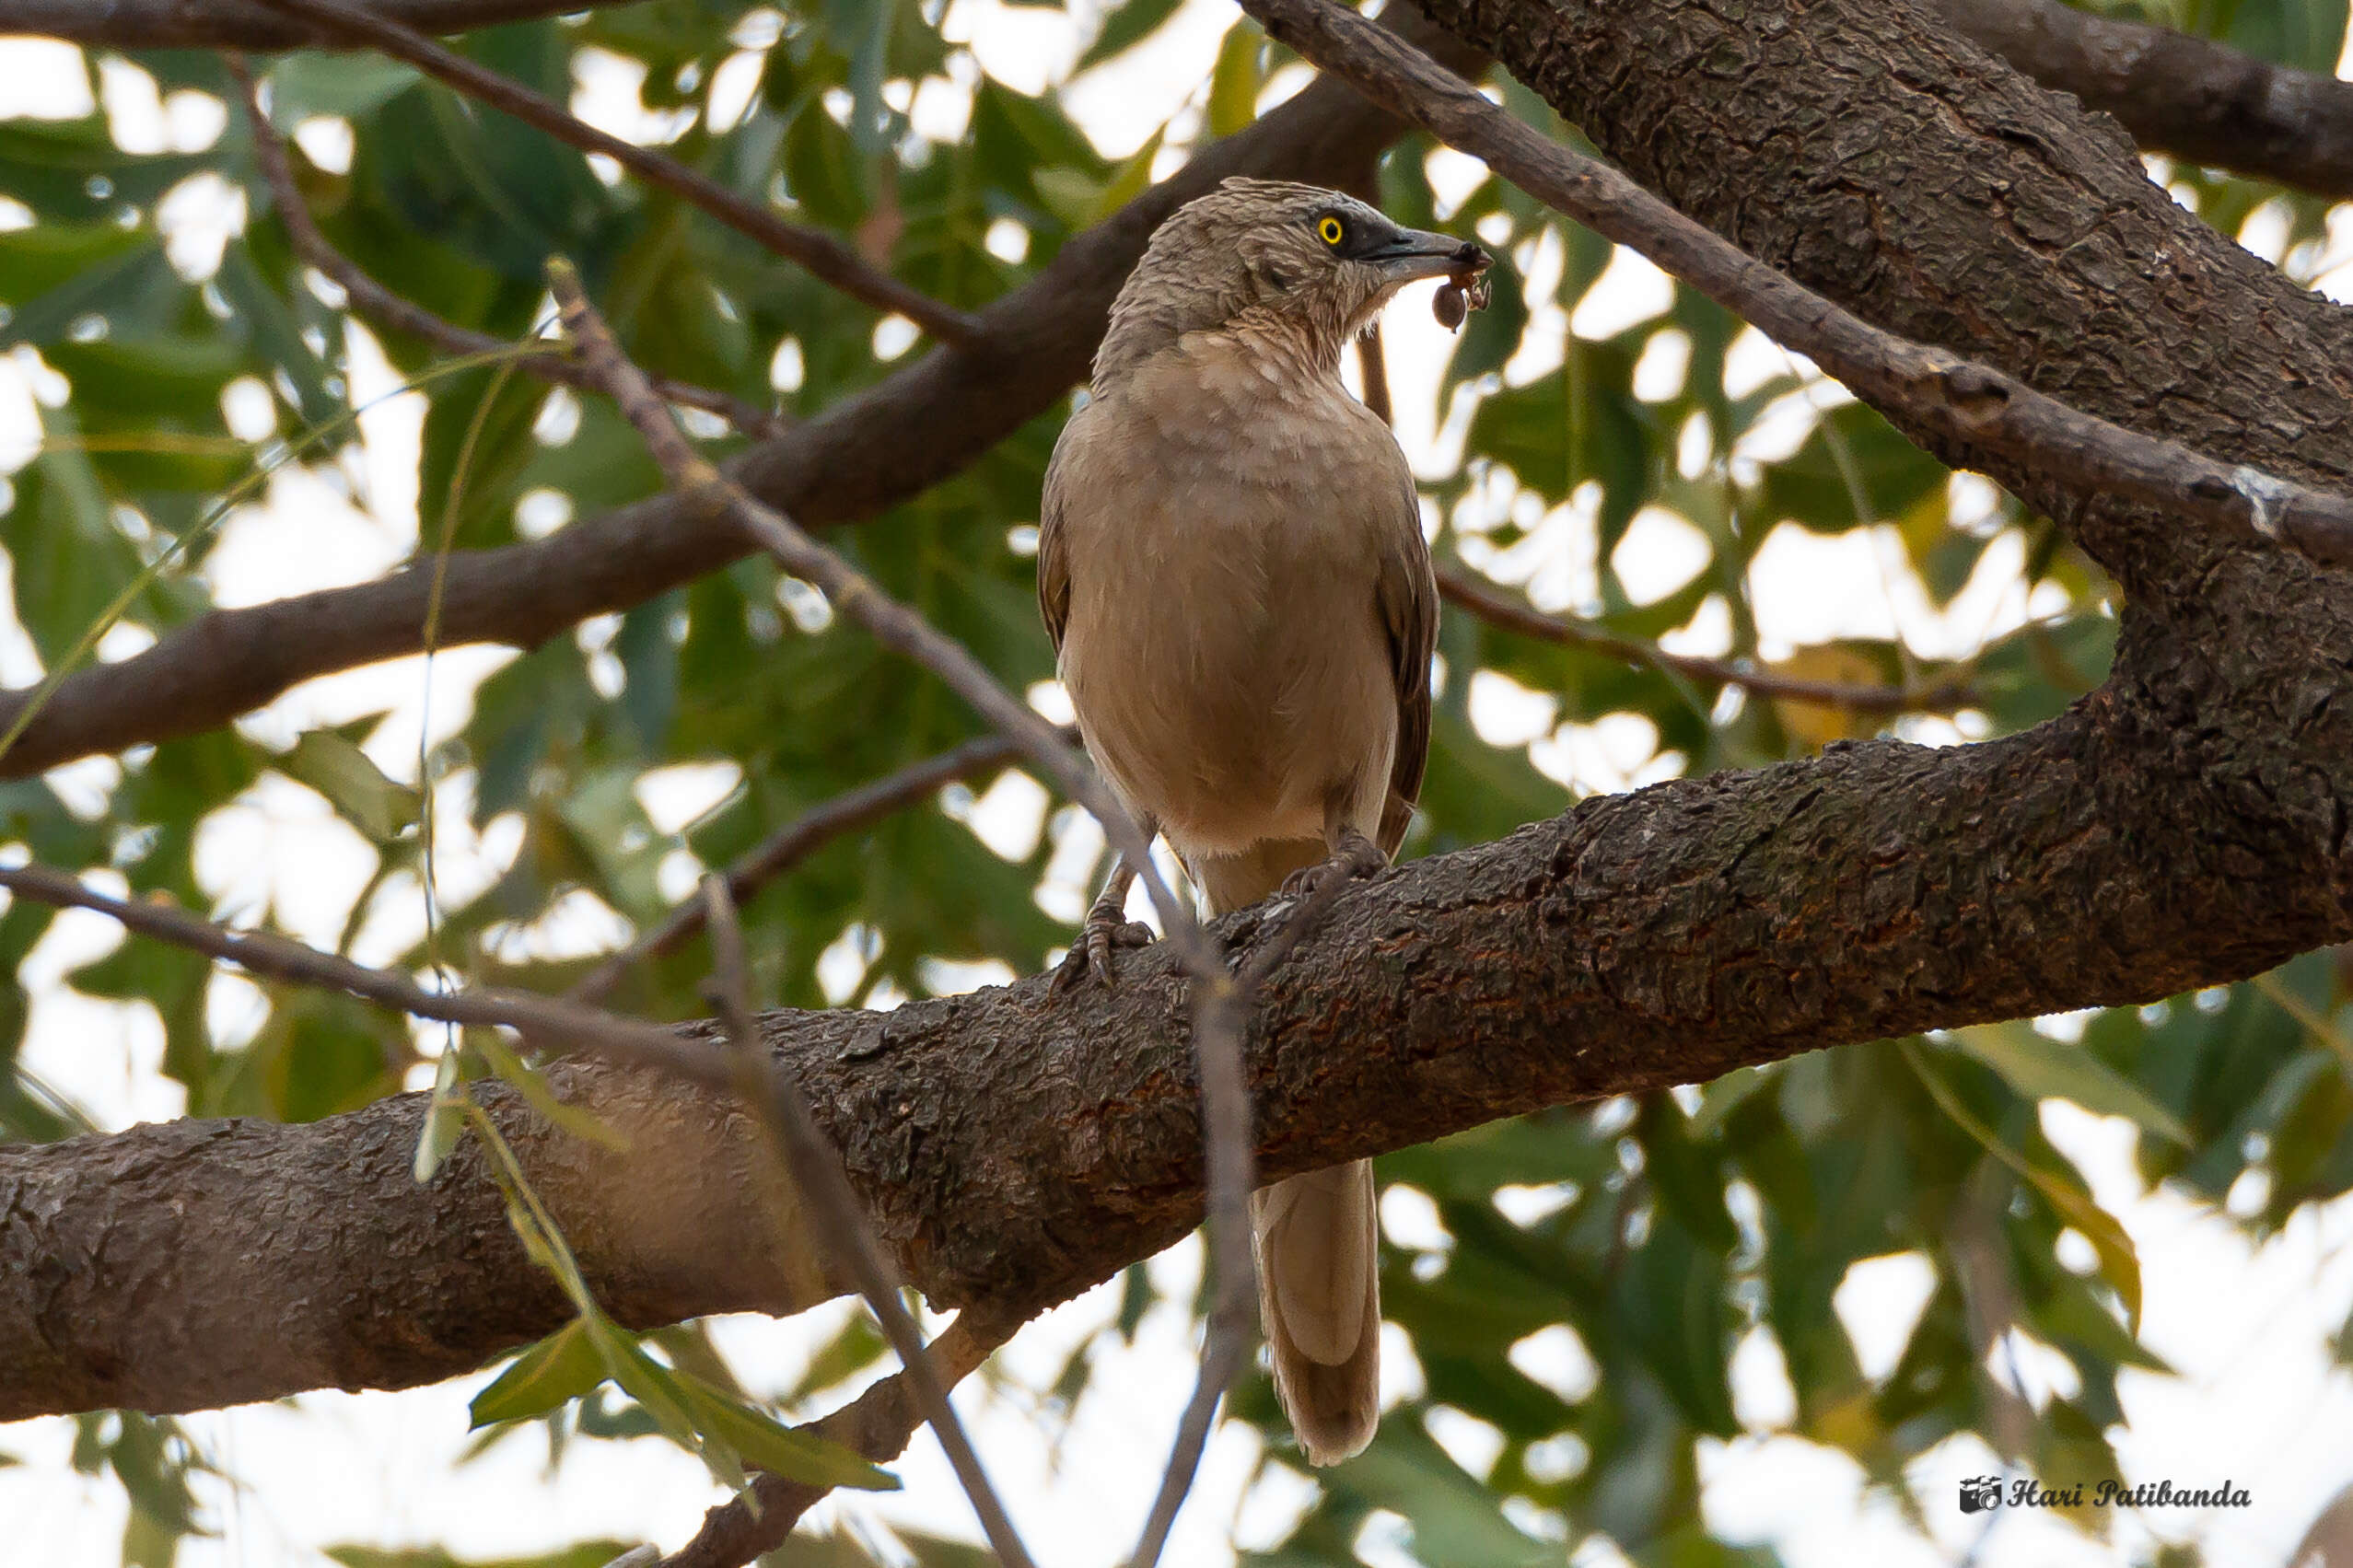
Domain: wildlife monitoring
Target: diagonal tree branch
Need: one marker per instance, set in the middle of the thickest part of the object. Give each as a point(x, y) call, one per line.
point(802, 1150)
point(1016, 1147)
point(1966, 403)
point(2184, 826)
point(547, 1023)
point(910, 431)
point(2176, 94)
point(1989, 216)
point(249, 24)
point(824, 255)
point(1496, 608)
point(385, 309)
point(794, 843)
point(1220, 1004)
point(877, 1424)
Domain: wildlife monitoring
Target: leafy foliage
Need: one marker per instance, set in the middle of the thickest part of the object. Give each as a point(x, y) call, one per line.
point(1648, 1243)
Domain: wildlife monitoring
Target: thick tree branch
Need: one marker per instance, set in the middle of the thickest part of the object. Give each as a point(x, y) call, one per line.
point(2185, 96)
point(1937, 194)
point(2186, 825)
point(914, 428)
point(1016, 1147)
point(824, 255)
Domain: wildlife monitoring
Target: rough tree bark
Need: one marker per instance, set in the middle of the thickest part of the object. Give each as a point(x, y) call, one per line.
point(2177, 94)
point(2183, 826)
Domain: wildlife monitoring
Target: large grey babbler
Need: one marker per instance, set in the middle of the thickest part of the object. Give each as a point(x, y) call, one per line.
point(1231, 565)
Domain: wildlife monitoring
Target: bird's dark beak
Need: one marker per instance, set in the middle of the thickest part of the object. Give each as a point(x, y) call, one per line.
point(1416, 254)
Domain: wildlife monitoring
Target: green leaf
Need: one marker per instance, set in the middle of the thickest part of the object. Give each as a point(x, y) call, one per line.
point(2064, 1191)
point(352, 782)
point(763, 1441)
point(1235, 79)
point(445, 1116)
point(558, 1369)
point(1126, 26)
point(584, 1554)
point(2043, 1069)
point(310, 84)
point(534, 1087)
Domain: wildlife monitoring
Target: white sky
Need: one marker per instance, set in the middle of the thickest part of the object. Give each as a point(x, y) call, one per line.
point(2259, 1400)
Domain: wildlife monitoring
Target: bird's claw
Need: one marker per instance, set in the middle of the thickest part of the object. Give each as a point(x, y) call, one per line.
point(1091, 954)
point(1355, 862)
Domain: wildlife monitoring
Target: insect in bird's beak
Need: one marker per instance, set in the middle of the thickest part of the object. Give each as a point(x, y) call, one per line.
point(1413, 253)
point(1465, 289)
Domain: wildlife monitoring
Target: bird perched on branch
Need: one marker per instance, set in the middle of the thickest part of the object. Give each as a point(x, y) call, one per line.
point(1230, 563)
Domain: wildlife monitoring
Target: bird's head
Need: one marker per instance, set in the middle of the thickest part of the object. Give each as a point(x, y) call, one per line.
point(1316, 262)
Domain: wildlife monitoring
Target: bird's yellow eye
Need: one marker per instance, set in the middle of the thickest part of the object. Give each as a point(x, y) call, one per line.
point(1332, 229)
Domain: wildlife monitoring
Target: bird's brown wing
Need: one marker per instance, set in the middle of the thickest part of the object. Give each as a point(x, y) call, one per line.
point(1053, 553)
point(1409, 610)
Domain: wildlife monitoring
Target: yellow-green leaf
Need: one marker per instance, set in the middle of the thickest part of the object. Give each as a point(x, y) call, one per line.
point(559, 1369)
point(2043, 1069)
point(774, 1446)
point(356, 786)
point(2119, 1264)
point(533, 1087)
point(1234, 81)
point(444, 1117)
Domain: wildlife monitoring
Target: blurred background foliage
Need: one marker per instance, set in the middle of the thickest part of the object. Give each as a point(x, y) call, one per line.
point(1574, 1285)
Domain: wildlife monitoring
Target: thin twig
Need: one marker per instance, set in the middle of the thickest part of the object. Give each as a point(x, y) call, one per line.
point(1218, 1003)
point(386, 309)
point(547, 1024)
point(856, 596)
point(1499, 609)
point(824, 255)
point(769, 1087)
point(1972, 405)
point(797, 839)
point(877, 1424)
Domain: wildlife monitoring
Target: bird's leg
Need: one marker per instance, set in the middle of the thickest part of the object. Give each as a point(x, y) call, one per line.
point(1107, 930)
point(1353, 857)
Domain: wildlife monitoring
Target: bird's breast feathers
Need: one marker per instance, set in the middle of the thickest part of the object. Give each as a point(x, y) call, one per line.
point(1224, 533)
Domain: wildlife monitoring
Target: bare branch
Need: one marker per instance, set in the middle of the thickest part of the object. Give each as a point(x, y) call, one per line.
point(877, 1424)
point(916, 427)
point(1483, 600)
point(1219, 1003)
point(248, 24)
point(549, 1025)
point(855, 596)
point(768, 1087)
point(2188, 97)
point(385, 309)
point(1970, 404)
point(1498, 609)
point(825, 256)
point(797, 839)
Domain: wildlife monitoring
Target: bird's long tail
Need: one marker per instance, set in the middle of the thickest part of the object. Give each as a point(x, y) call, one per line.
point(1318, 1286)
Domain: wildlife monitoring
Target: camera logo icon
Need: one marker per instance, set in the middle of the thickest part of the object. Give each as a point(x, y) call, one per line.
point(1981, 1493)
